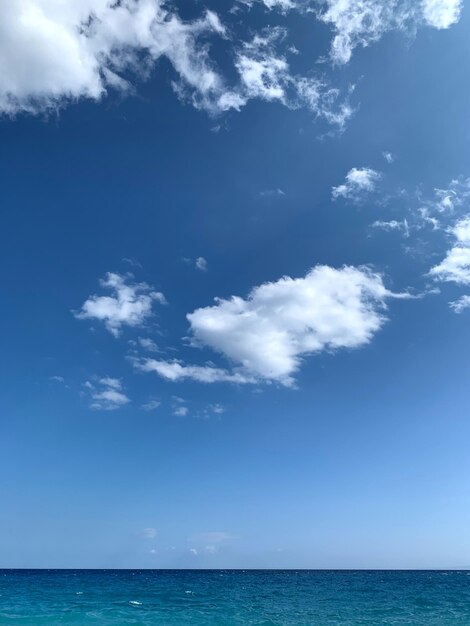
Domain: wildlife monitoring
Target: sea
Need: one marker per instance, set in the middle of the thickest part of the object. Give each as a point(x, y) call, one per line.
point(235, 597)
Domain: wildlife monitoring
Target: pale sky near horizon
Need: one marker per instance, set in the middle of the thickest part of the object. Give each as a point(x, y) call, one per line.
point(235, 283)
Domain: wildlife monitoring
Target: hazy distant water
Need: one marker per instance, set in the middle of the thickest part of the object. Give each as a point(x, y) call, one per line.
point(225, 598)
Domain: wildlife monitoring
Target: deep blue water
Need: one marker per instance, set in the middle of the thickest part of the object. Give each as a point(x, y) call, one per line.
point(228, 597)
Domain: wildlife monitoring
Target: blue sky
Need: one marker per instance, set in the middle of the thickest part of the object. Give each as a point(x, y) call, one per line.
point(235, 284)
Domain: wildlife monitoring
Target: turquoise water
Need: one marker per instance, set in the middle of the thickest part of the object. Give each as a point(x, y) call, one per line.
point(226, 598)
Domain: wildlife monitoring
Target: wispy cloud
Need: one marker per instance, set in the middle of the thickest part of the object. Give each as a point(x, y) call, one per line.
point(180, 411)
point(461, 304)
point(151, 405)
point(149, 533)
point(147, 344)
point(359, 23)
point(107, 394)
point(272, 192)
point(455, 267)
point(57, 379)
point(393, 225)
point(175, 371)
point(201, 264)
point(56, 53)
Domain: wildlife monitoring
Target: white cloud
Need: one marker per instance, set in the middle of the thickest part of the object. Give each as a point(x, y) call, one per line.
point(452, 197)
point(53, 50)
point(272, 192)
point(107, 394)
point(358, 23)
point(147, 344)
point(282, 5)
point(180, 411)
point(112, 383)
point(193, 551)
point(53, 53)
point(149, 533)
point(426, 218)
point(388, 156)
point(461, 304)
point(441, 13)
point(218, 409)
point(57, 379)
point(456, 265)
point(151, 405)
point(267, 334)
point(358, 181)
point(265, 74)
point(130, 304)
point(201, 264)
point(392, 225)
point(175, 371)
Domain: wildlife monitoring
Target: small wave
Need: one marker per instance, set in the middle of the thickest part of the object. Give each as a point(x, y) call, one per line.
point(135, 603)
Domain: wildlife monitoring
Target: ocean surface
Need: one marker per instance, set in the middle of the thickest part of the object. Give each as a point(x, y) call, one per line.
point(228, 597)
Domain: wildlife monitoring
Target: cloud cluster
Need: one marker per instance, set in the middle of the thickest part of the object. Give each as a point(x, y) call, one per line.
point(358, 23)
point(265, 74)
point(53, 52)
point(107, 394)
point(358, 181)
point(129, 305)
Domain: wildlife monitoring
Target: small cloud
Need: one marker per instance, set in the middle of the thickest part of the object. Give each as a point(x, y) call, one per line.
point(151, 405)
point(358, 182)
point(114, 383)
point(147, 344)
point(193, 551)
point(393, 225)
point(455, 267)
point(57, 379)
point(458, 306)
point(218, 409)
point(130, 303)
point(149, 533)
point(201, 264)
point(132, 262)
point(272, 192)
point(388, 156)
point(180, 411)
point(441, 14)
point(107, 394)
